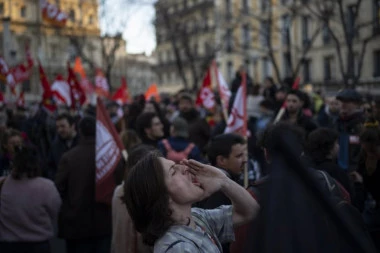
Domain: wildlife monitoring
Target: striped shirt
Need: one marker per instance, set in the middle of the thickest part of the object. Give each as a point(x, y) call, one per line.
point(213, 227)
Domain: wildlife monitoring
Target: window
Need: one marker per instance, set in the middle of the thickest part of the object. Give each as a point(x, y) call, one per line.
point(229, 40)
point(305, 31)
point(264, 33)
point(376, 16)
point(246, 36)
point(228, 9)
point(351, 10)
point(306, 70)
point(245, 6)
point(376, 64)
point(26, 86)
point(207, 48)
point(264, 5)
point(230, 71)
point(287, 64)
point(285, 35)
point(326, 37)
point(247, 65)
point(328, 66)
point(267, 71)
point(72, 15)
point(196, 49)
point(91, 19)
point(1, 8)
point(23, 11)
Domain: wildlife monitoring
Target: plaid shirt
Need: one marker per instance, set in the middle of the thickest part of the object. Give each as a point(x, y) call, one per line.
point(180, 238)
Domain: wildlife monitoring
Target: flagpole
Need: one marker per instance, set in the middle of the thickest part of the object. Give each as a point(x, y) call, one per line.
point(245, 127)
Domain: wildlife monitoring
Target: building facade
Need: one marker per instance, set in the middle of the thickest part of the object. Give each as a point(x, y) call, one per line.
point(277, 38)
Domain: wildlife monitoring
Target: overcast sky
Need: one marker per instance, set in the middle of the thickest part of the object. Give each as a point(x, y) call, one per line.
point(138, 30)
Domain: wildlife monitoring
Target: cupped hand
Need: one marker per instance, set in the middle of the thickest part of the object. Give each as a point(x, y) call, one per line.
point(210, 178)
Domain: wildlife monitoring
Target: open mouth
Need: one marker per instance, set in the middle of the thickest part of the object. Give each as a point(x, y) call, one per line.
point(194, 180)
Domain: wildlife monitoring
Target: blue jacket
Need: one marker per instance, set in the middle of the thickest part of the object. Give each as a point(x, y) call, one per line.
point(179, 144)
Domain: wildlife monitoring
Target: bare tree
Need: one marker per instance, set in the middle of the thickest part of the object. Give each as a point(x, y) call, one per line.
point(345, 28)
point(182, 40)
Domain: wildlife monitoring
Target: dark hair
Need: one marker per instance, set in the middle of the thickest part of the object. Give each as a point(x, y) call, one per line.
point(270, 79)
point(147, 198)
point(9, 134)
point(25, 163)
point(87, 126)
point(298, 94)
point(222, 145)
point(67, 117)
point(143, 122)
point(319, 144)
point(268, 139)
point(186, 96)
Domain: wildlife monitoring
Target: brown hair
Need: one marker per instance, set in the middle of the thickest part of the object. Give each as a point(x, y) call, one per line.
point(130, 139)
point(147, 198)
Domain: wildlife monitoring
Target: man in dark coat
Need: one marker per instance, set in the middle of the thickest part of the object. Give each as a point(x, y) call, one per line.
point(85, 224)
point(294, 113)
point(199, 130)
point(349, 126)
point(149, 128)
point(67, 138)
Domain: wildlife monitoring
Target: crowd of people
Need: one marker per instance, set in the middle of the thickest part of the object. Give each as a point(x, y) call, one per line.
point(181, 188)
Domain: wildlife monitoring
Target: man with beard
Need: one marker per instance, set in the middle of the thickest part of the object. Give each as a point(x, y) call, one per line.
point(227, 152)
point(199, 130)
point(329, 113)
point(294, 115)
point(149, 128)
point(67, 138)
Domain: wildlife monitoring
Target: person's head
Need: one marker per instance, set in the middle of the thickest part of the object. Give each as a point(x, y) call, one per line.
point(185, 103)
point(254, 90)
point(25, 163)
point(266, 107)
point(333, 104)
point(149, 126)
point(280, 94)
point(229, 152)
point(135, 154)
point(370, 138)
point(368, 110)
point(294, 101)
point(350, 101)
point(129, 139)
point(269, 82)
point(179, 128)
point(268, 141)
point(87, 126)
point(65, 125)
point(12, 140)
point(322, 144)
point(112, 109)
point(154, 190)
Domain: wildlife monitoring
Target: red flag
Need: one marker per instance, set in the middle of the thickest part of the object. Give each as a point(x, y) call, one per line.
point(205, 95)
point(52, 14)
point(101, 84)
point(108, 154)
point(121, 95)
point(21, 100)
point(237, 121)
point(47, 95)
point(78, 97)
point(152, 92)
point(61, 91)
point(224, 91)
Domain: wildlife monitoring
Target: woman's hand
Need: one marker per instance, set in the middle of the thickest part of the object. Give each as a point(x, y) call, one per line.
point(210, 178)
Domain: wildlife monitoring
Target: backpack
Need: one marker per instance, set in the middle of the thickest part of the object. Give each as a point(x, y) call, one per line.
point(175, 156)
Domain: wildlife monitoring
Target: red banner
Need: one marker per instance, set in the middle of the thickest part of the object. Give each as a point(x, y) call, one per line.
point(121, 96)
point(108, 154)
point(52, 14)
point(205, 94)
point(78, 97)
